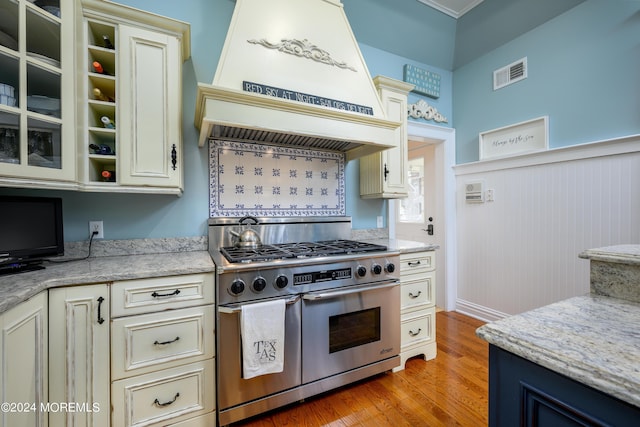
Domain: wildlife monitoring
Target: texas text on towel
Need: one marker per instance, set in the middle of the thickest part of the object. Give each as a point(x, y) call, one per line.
point(262, 330)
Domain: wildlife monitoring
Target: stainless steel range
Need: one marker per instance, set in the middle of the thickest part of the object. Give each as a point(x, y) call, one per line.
point(342, 316)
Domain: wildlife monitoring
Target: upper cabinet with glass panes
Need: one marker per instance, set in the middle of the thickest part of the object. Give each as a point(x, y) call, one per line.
point(37, 94)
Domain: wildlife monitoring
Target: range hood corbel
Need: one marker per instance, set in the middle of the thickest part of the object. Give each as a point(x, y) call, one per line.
point(324, 74)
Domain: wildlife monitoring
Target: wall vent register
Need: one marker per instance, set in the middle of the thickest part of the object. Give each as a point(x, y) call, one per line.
point(474, 192)
point(509, 74)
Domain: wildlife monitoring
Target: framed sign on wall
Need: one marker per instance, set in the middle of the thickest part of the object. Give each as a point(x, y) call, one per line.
point(426, 82)
point(520, 138)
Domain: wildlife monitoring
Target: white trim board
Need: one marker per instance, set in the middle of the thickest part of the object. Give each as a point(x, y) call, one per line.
point(478, 311)
point(611, 147)
point(447, 153)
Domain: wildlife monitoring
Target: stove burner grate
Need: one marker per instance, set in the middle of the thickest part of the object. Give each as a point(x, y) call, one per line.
point(298, 250)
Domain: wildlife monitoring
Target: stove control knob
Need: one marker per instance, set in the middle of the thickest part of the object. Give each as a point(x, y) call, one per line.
point(259, 284)
point(237, 287)
point(390, 268)
point(281, 282)
point(361, 271)
point(376, 269)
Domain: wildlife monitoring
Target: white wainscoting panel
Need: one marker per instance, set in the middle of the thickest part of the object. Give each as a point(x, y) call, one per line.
point(520, 251)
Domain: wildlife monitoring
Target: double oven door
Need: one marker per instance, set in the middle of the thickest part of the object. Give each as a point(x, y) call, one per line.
point(347, 328)
point(326, 333)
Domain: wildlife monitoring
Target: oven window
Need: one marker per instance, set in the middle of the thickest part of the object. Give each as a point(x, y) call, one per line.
point(354, 329)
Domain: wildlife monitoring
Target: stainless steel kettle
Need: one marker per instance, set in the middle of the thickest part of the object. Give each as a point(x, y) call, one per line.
point(247, 238)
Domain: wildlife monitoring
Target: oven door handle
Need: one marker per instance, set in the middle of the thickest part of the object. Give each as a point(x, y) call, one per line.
point(233, 309)
point(349, 291)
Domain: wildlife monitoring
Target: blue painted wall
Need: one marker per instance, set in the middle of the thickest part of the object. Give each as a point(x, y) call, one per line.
point(583, 72)
point(405, 27)
point(134, 216)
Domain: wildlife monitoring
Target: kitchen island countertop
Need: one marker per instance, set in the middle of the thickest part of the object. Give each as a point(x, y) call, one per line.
point(16, 288)
point(591, 339)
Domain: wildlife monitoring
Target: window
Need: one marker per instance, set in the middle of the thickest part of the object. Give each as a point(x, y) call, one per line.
point(412, 208)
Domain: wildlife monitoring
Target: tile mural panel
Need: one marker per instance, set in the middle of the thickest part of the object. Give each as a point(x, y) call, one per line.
point(265, 180)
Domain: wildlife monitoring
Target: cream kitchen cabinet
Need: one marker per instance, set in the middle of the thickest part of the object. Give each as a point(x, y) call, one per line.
point(23, 374)
point(150, 342)
point(131, 87)
point(134, 352)
point(163, 351)
point(384, 174)
point(79, 354)
point(37, 95)
point(56, 131)
point(418, 311)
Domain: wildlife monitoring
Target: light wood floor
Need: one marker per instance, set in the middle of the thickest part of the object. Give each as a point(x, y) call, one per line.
point(450, 390)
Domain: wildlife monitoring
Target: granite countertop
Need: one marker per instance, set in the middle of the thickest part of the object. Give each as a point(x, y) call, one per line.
point(131, 259)
point(621, 254)
point(592, 339)
point(16, 288)
point(404, 246)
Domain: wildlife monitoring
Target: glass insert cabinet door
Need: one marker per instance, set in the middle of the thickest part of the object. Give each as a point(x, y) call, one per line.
point(36, 90)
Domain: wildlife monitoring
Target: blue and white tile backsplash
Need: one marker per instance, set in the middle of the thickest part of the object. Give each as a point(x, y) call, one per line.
point(265, 180)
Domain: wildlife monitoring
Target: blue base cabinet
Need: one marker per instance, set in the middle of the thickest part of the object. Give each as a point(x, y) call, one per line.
point(522, 393)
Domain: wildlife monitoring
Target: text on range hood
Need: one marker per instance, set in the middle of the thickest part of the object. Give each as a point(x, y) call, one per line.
point(291, 73)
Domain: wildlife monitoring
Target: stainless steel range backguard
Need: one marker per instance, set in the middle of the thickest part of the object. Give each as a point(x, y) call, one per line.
point(281, 229)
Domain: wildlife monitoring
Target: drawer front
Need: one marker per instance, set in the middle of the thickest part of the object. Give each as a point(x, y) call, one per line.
point(414, 263)
point(418, 328)
point(208, 420)
point(418, 291)
point(161, 293)
point(164, 397)
point(149, 342)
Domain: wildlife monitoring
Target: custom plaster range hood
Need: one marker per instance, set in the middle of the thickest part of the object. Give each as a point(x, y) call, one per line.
point(291, 73)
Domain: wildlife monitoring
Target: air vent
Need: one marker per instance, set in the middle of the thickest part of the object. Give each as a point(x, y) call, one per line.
point(231, 133)
point(473, 192)
point(512, 73)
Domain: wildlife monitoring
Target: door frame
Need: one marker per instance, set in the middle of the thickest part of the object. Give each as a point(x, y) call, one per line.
point(445, 158)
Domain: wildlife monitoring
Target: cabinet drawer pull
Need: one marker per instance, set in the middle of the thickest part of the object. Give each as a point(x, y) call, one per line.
point(157, 402)
point(413, 334)
point(413, 264)
point(100, 318)
point(415, 296)
point(166, 342)
point(157, 295)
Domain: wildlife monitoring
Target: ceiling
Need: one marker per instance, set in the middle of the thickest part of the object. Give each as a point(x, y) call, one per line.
point(455, 8)
point(433, 36)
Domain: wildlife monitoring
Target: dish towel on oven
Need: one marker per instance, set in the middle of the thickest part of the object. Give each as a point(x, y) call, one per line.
point(262, 331)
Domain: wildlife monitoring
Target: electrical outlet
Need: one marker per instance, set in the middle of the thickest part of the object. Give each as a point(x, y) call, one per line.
point(379, 222)
point(96, 226)
point(489, 195)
